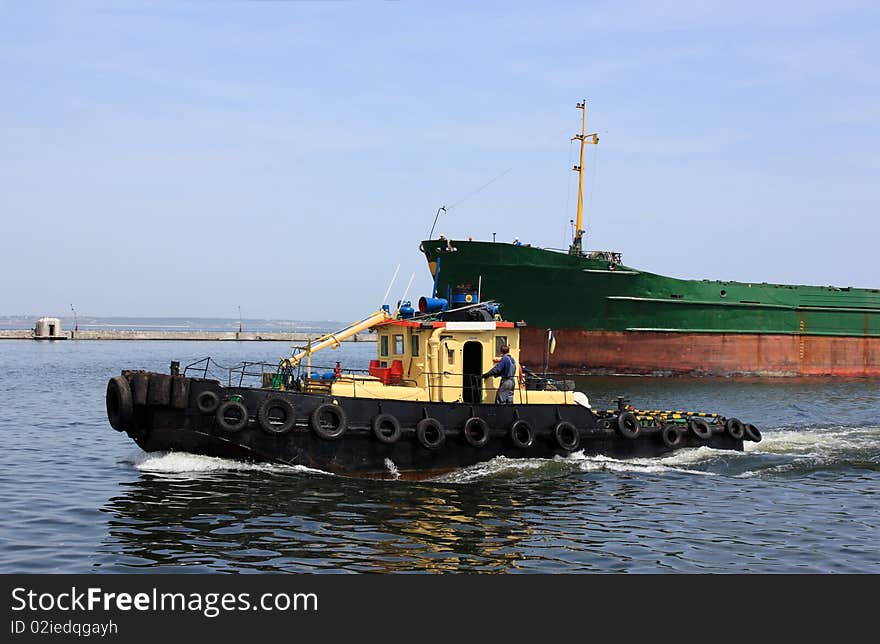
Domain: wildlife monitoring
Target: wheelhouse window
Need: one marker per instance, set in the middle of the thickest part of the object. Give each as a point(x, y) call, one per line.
point(398, 345)
point(415, 346)
point(499, 340)
point(383, 345)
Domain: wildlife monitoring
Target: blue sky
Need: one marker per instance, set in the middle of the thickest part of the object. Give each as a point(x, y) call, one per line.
point(187, 158)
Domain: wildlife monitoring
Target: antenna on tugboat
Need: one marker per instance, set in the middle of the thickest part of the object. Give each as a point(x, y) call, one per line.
point(388, 290)
point(405, 292)
point(584, 138)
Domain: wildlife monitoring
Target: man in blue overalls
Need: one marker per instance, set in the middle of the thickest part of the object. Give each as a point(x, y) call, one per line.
point(506, 368)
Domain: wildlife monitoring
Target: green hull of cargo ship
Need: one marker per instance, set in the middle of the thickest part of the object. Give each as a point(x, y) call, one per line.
point(611, 318)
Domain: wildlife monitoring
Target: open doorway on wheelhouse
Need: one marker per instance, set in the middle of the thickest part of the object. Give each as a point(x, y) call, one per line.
point(472, 371)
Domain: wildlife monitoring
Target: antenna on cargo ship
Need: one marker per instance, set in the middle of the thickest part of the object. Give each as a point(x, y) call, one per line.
point(436, 217)
point(584, 138)
point(465, 198)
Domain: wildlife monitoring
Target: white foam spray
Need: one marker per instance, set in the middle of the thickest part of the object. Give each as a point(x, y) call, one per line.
point(392, 468)
point(185, 463)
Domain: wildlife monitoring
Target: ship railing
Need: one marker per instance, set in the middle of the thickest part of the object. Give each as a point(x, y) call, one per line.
point(436, 383)
point(611, 256)
point(475, 381)
point(260, 371)
point(241, 372)
point(547, 381)
point(206, 366)
point(247, 369)
point(272, 375)
point(436, 380)
point(608, 255)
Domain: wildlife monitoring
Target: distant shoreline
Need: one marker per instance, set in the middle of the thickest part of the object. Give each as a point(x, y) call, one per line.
point(200, 336)
point(84, 323)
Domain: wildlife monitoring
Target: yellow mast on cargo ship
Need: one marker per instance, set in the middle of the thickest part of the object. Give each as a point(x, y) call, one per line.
point(584, 138)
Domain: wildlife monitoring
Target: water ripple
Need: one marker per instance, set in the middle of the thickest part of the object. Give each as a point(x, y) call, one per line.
point(77, 497)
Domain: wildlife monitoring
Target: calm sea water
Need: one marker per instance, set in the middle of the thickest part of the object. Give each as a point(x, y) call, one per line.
point(78, 497)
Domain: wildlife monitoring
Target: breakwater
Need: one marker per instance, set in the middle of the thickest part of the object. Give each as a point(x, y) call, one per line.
point(213, 336)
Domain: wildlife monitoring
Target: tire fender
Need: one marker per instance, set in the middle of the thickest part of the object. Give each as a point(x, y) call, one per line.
point(628, 425)
point(120, 407)
point(232, 416)
point(386, 428)
point(521, 434)
point(207, 402)
point(140, 382)
point(266, 417)
point(179, 391)
point(329, 421)
point(752, 433)
point(700, 428)
point(476, 431)
point(159, 392)
point(430, 433)
point(735, 428)
point(671, 435)
point(567, 436)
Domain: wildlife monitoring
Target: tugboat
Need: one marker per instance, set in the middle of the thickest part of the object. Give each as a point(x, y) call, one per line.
point(423, 408)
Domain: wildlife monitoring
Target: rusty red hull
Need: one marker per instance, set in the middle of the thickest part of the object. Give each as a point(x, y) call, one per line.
point(579, 351)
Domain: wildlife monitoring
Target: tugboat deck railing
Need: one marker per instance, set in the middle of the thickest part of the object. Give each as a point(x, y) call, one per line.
point(247, 372)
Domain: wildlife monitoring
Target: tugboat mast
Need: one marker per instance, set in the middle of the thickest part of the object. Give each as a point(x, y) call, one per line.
point(584, 138)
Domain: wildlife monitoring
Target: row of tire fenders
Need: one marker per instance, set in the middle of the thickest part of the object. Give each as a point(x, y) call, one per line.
point(329, 421)
point(672, 434)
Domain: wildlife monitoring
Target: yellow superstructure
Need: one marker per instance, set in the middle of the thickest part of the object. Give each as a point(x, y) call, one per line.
point(441, 362)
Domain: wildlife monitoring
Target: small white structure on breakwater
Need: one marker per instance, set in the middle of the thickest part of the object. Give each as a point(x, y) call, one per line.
point(48, 329)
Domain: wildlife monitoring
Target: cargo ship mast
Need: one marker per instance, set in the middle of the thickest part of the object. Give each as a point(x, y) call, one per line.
point(584, 138)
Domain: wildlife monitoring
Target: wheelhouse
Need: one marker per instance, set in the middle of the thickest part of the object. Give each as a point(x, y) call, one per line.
point(442, 361)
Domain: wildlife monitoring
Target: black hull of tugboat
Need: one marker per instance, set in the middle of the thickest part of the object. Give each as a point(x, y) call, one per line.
point(175, 413)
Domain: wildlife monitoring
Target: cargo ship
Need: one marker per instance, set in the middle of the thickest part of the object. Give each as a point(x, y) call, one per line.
point(589, 313)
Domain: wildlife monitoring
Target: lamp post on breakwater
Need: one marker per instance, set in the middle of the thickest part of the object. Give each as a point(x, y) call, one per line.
point(75, 322)
point(239, 319)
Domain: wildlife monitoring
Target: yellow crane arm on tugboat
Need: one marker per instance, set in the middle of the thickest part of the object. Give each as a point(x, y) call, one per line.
point(334, 339)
